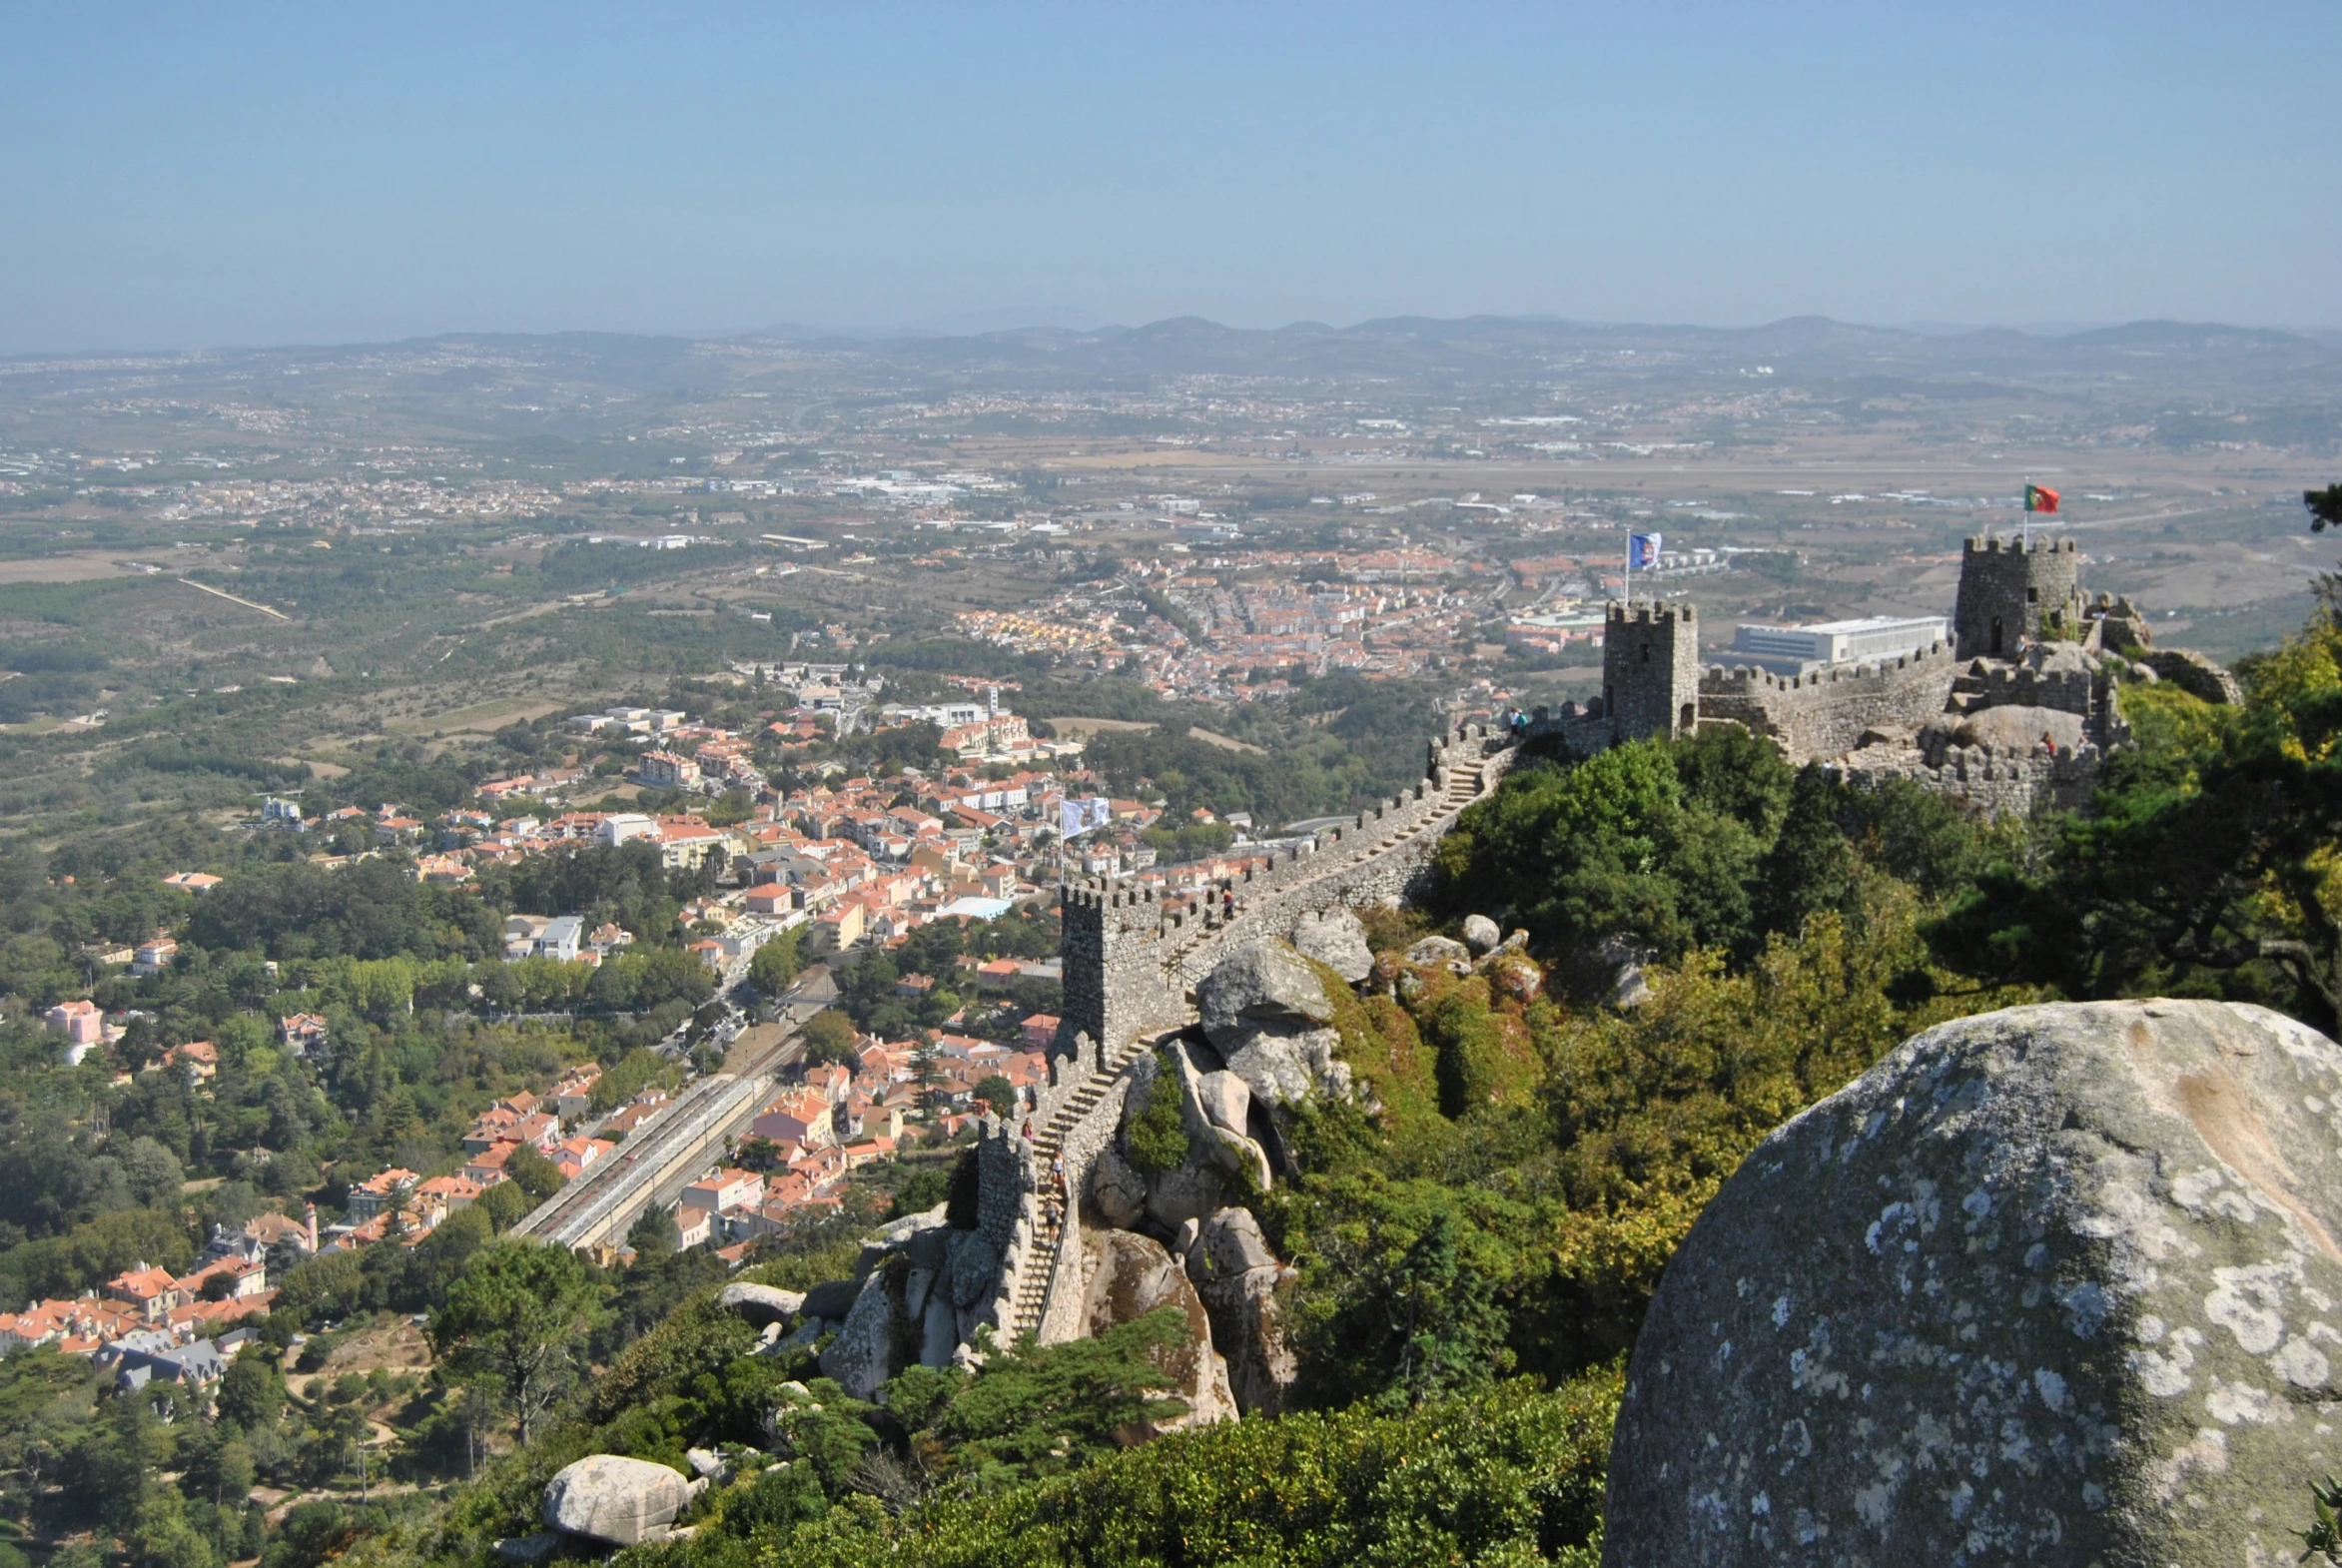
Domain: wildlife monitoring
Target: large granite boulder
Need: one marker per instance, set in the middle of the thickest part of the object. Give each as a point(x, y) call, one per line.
point(1131, 1276)
point(1236, 1275)
point(1482, 935)
point(1263, 982)
point(760, 1305)
point(2054, 1285)
point(869, 1348)
point(605, 1498)
point(1336, 939)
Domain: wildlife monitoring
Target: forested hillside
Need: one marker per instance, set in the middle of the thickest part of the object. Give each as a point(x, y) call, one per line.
point(1472, 1239)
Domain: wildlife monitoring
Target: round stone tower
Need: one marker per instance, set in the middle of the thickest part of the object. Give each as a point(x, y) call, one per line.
point(2007, 590)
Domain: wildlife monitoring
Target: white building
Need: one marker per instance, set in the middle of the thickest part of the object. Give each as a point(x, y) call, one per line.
point(1799, 650)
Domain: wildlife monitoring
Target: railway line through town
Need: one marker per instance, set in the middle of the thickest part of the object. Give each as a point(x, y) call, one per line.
point(674, 1147)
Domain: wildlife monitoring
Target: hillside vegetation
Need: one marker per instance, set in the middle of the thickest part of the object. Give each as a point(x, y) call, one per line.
point(1473, 1239)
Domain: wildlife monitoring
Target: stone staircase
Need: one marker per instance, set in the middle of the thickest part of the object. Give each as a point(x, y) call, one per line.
point(1038, 1266)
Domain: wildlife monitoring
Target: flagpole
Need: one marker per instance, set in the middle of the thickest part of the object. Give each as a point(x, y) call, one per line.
point(2026, 501)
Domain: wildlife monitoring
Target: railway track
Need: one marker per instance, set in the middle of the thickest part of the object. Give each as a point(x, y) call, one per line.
point(668, 1151)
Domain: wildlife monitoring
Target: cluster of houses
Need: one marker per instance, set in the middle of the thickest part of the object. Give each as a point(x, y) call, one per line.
point(813, 1135)
point(152, 1325)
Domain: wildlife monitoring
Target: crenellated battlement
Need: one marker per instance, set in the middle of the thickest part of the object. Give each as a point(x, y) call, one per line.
point(1828, 711)
point(1724, 679)
point(1646, 615)
point(1992, 544)
point(1987, 780)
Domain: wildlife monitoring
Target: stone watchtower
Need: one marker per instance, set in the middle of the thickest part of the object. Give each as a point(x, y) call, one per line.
point(2007, 588)
point(1651, 670)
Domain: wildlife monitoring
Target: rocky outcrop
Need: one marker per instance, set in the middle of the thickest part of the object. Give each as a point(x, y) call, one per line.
point(1267, 1013)
point(1441, 952)
point(831, 1300)
point(1236, 1275)
point(1336, 939)
point(2196, 675)
point(1118, 1192)
point(605, 1498)
point(1263, 983)
point(1131, 1276)
point(869, 1348)
point(2013, 728)
point(2052, 1284)
point(760, 1305)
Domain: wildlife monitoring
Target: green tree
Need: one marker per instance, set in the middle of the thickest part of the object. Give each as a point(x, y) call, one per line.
point(519, 1314)
point(1033, 1410)
point(1810, 866)
point(251, 1395)
point(532, 1172)
point(505, 1205)
point(1158, 1136)
point(998, 1093)
point(1402, 1293)
point(829, 1037)
point(775, 965)
point(652, 1236)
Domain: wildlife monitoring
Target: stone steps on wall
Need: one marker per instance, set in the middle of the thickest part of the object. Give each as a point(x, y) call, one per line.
point(1038, 1263)
point(1037, 1267)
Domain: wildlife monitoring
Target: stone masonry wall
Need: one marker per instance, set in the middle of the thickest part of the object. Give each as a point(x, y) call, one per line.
point(1130, 960)
point(2007, 587)
point(1825, 714)
point(1984, 781)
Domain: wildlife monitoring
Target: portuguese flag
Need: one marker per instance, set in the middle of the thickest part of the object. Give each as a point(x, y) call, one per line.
point(2040, 498)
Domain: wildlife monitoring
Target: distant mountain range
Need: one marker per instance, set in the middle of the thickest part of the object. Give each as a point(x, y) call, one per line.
point(1802, 345)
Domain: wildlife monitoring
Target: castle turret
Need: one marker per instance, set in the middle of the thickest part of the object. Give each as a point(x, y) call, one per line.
point(1651, 670)
point(2009, 589)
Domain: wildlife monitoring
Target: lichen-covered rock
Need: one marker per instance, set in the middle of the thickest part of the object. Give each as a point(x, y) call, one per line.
point(1435, 952)
point(1238, 1275)
point(1515, 974)
point(1337, 940)
point(1131, 1276)
point(1280, 1066)
point(2052, 1284)
point(607, 1497)
point(869, 1348)
point(760, 1305)
point(1482, 935)
point(1261, 982)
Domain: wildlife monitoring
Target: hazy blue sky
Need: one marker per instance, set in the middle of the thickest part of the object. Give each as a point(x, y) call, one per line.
point(244, 174)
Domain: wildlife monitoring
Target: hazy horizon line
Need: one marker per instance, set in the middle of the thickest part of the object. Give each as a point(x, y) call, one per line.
point(966, 328)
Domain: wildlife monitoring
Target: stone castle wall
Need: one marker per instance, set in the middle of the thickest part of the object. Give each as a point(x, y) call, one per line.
point(1985, 780)
point(1824, 713)
point(1130, 960)
point(1131, 955)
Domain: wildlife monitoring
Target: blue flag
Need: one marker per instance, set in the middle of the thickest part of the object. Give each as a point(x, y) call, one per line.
point(1079, 814)
point(1642, 549)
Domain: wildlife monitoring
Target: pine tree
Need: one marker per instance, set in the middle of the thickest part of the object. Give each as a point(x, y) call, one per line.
point(1810, 866)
